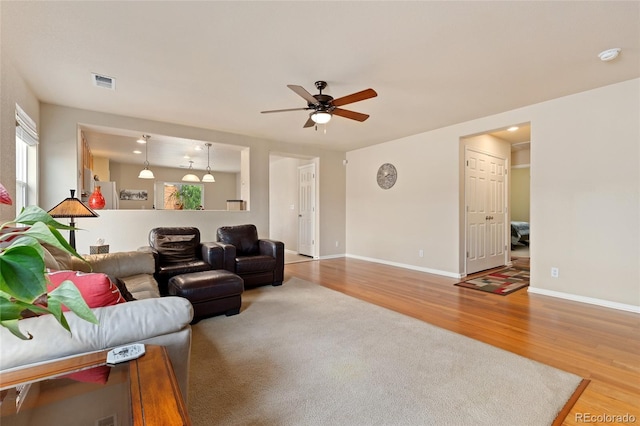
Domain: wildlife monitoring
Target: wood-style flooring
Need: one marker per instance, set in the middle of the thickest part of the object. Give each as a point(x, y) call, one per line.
point(596, 343)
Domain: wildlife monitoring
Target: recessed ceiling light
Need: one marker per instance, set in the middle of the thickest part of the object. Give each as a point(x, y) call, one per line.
point(512, 129)
point(609, 54)
point(137, 152)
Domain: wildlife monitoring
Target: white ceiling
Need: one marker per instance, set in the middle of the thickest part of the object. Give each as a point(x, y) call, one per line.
point(218, 64)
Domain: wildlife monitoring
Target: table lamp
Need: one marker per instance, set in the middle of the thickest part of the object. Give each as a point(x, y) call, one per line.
point(72, 207)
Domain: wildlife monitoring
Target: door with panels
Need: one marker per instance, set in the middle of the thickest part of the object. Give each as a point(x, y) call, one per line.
point(306, 211)
point(486, 211)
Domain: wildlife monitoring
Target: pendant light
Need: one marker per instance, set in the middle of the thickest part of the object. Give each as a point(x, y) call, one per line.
point(190, 177)
point(208, 177)
point(146, 173)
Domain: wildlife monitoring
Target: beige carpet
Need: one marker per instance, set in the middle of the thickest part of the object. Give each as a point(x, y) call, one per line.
point(301, 354)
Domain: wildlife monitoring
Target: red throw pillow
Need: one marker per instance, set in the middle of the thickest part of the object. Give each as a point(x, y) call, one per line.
point(96, 289)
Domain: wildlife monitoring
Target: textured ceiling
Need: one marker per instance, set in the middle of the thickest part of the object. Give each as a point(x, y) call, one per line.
point(216, 65)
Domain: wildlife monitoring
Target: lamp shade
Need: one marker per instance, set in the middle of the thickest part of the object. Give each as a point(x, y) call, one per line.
point(190, 177)
point(321, 117)
point(72, 207)
point(208, 178)
point(146, 174)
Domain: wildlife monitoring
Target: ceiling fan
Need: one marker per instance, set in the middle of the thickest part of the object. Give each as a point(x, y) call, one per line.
point(324, 106)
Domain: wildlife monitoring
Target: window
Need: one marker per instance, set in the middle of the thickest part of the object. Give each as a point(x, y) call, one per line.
point(26, 160)
point(180, 196)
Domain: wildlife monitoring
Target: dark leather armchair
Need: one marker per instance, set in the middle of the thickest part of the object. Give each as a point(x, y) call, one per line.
point(257, 261)
point(178, 250)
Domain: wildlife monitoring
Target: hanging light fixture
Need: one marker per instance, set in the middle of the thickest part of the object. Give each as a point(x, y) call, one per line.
point(145, 173)
point(190, 177)
point(208, 177)
point(321, 117)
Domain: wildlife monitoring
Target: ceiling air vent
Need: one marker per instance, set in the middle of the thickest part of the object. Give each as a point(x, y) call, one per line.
point(103, 81)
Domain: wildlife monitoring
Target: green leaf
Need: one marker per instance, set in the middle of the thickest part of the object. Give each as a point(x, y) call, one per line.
point(12, 326)
point(9, 310)
point(69, 295)
point(22, 270)
point(9, 315)
point(31, 215)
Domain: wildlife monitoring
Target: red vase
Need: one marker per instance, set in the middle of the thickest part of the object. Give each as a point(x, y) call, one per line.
point(96, 200)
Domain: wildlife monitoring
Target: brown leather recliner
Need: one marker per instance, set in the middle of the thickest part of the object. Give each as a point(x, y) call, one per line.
point(178, 250)
point(257, 261)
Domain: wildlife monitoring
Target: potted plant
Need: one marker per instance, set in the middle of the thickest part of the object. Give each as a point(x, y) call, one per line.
point(186, 197)
point(23, 277)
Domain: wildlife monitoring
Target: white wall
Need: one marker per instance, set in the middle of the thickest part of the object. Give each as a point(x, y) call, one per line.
point(14, 91)
point(585, 196)
point(126, 230)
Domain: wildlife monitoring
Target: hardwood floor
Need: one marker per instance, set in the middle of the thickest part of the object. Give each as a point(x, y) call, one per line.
point(599, 344)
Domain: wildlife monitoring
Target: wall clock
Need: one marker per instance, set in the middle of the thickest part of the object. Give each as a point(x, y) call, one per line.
point(387, 175)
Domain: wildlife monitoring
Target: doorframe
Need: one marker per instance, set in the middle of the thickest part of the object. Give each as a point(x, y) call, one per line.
point(314, 215)
point(302, 159)
point(507, 200)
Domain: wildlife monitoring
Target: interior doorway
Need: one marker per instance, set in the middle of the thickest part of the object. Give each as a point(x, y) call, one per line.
point(294, 202)
point(513, 144)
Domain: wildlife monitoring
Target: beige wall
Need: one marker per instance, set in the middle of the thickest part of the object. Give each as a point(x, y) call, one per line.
point(14, 91)
point(129, 229)
point(585, 196)
point(520, 193)
point(216, 193)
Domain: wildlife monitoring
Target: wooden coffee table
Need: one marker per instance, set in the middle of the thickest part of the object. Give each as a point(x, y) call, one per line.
point(141, 392)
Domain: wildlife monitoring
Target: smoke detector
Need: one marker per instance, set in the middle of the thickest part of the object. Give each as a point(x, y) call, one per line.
point(103, 81)
point(609, 54)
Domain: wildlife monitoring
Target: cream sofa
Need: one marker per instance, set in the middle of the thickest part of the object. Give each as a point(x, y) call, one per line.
point(150, 319)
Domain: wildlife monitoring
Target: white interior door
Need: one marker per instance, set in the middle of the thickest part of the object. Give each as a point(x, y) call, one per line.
point(486, 212)
point(306, 210)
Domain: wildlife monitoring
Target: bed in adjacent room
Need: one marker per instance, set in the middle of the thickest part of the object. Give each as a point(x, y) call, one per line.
point(519, 233)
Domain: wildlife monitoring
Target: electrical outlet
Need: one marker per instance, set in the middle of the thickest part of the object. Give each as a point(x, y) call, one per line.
point(421, 253)
point(337, 243)
point(555, 272)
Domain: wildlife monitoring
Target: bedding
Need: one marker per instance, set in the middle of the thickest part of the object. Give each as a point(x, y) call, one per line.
point(519, 233)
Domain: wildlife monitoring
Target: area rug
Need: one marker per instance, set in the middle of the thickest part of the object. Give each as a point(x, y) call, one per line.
point(503, 282)
point(302, 354)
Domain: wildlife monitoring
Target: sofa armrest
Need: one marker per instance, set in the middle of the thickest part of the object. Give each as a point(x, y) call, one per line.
point(213, 254)
point(229, 256)
point(120, 324)
point(122, 264)
point(274, 249)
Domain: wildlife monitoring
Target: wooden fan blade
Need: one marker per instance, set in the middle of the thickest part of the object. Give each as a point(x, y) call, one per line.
point(350, 114)
point(301, 91)
point(309, 123)
point(355, 97)
point(284, 110)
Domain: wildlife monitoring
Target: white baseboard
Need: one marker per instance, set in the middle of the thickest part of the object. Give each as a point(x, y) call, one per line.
point(584, 299)
point(331, 256)
point(405, 266)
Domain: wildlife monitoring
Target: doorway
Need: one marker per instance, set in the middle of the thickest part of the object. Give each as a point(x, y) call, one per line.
point(294, 202)
point(512, 144)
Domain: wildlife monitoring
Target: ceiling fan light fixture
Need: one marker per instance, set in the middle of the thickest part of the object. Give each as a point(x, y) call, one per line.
point(321, 117)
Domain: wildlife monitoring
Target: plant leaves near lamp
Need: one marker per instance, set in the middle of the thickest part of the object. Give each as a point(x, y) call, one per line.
point(23, 281)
